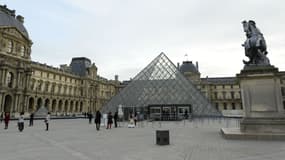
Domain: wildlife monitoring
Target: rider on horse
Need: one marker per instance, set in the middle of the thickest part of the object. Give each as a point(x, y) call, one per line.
point(255, 45)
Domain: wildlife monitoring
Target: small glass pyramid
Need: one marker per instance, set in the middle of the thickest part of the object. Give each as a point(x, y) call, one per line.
point(161, 83)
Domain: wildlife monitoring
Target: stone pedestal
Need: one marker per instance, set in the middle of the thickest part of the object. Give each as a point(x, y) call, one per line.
point(262, 103)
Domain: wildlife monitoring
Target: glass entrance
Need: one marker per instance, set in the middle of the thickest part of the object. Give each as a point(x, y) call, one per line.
point(169, 112)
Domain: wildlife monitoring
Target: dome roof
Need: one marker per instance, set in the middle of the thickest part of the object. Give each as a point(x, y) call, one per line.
point(188, 66)
point(8, 19)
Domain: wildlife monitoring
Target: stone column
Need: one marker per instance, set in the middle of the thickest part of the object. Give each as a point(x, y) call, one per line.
point(1, 75)
point(25, 102)
point(4, 73)
point(18, 79)
point(16, 103)
point(27, 80)
point(1, 102)
point(72, 106)
point(49, 105)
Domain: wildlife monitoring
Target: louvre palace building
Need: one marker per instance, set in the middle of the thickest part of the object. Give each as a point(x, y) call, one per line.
point(25, 85)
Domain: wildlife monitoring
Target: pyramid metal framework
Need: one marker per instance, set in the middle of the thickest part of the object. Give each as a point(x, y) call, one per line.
point(161, 83)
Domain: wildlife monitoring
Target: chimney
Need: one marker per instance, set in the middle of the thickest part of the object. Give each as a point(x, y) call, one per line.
point(197, 66)
point(116, 78)
point(20, 18)
point(178, 65)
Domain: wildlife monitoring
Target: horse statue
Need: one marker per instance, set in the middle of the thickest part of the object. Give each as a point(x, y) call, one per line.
point(255, 45)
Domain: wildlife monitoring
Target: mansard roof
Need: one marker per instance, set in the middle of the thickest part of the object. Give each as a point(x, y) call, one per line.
point(9, 19)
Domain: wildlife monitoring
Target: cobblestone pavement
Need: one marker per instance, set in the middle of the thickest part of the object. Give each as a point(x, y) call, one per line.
point(77, 140)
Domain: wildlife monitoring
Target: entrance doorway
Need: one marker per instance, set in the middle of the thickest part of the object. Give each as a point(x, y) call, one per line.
point(8, 103)
point(31, 104)
point(39, 103)
point(169, 112)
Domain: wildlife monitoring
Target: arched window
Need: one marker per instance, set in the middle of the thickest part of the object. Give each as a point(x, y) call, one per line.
point(22, 51)
point(10, 79)
point(9, 46)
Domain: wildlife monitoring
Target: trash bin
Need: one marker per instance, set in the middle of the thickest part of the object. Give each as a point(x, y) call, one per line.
point(162, 137)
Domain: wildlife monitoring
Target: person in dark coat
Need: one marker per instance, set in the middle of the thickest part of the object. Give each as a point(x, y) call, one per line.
point(47, 119)
point(90, 116)
point(1, 117)
point(116, 117)
point(136, 118)
point(31, 119)
point(98, 120)
point(6, 119)
point(186, 116)
point(110, 120)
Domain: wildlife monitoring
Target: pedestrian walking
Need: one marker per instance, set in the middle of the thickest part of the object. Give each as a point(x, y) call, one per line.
point(90, 116)
point(186, 116)
point(136, 118)
point(110, 120)
point(98, 120)
point(21, 122)
point(31, 119)
point(6, 119)
point(116, 117)
point(47, 120)
point(1, 117)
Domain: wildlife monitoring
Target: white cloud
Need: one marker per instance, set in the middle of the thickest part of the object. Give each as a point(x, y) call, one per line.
point(123, 36)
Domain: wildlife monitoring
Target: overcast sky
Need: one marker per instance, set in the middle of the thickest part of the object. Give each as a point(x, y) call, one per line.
point(123, 36)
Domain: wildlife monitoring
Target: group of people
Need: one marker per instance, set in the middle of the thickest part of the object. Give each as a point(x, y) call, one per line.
point(98, 117)
point(109, 119)
point(21, 120)
point(133, 118)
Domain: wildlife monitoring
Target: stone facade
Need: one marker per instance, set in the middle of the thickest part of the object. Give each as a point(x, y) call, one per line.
point(25, 85)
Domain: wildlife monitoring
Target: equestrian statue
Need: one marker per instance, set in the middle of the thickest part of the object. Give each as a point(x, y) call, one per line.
point(255, 45)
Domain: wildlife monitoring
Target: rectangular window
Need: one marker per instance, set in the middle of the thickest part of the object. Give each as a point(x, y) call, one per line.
point(22, 51)
point(233, 95)
point(233, 106)
point(224, 95)
point(9, 46)
point(225, 106)
point(9, 80)
point(283, 91)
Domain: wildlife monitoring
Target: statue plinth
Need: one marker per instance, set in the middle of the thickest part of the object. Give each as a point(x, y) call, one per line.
point(262, 103)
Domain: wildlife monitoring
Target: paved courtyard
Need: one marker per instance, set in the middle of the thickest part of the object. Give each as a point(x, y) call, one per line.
point(77, 140)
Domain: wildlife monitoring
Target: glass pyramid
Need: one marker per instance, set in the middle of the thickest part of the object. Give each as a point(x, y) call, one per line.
point(161, 83)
